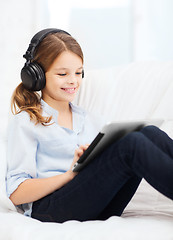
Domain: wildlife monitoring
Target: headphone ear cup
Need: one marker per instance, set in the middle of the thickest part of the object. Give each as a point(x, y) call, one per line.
point(33, 77)
point(41, 79)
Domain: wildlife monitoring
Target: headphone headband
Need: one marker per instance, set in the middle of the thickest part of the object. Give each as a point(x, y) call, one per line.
point(37, 38)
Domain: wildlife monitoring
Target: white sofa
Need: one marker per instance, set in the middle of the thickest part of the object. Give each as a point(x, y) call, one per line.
point(135, 91)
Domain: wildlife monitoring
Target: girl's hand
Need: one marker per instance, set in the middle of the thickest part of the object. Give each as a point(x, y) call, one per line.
point(78, 153)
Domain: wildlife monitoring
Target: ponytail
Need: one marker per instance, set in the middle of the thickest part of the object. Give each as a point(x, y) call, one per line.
point(25, 100)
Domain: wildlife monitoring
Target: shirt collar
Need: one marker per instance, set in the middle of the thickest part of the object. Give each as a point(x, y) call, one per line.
point(78, 118)
point(49, 110)
point(78, 115)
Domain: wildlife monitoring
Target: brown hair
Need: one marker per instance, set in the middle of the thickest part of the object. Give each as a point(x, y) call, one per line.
point(47, 51)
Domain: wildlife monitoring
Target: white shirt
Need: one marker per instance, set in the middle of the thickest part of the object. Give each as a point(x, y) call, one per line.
point(37, 151)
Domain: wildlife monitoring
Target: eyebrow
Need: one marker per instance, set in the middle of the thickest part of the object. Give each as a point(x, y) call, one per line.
point(67, 68)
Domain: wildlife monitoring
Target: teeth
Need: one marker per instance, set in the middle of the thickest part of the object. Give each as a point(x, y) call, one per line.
point(69, 89)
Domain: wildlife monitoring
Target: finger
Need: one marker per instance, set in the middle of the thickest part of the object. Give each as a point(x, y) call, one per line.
point(79, 152)
point(87, 145)
point(84, 147)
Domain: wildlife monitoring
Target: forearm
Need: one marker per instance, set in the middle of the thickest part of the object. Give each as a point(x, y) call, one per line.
point(33, 189)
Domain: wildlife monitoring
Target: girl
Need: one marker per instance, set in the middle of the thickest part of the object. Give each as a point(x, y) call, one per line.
point(48, 134)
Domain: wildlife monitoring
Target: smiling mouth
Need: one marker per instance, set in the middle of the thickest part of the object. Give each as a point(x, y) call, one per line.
point(69, 90)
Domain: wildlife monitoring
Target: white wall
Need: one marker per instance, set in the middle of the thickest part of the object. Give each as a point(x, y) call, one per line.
point(153, 30)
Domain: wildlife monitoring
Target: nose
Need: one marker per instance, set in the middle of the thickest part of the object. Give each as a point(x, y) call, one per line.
point(72, 79)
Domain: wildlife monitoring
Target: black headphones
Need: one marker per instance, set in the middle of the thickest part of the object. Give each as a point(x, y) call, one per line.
point(32, 74)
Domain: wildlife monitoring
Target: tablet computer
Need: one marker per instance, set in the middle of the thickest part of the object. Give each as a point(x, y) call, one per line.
point(110, 133)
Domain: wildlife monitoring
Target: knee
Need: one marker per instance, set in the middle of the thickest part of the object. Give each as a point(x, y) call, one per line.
point(151, 129)
point(134, 137)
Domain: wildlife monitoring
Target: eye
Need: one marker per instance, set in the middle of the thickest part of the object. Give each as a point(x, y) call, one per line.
point(61, 74)
point(78, 73)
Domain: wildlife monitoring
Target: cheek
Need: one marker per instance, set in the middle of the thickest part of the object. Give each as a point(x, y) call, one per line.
point(53, 83)
point(80, 82)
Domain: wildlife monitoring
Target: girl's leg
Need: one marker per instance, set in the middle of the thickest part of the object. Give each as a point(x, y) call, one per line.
point(123, 197)
point(159, 138)
point(92, 190)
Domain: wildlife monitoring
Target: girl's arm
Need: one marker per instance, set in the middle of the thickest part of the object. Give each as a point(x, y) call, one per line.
point(34, 189)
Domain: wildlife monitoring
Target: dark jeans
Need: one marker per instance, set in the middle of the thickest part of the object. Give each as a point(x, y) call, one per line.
point(107, 184)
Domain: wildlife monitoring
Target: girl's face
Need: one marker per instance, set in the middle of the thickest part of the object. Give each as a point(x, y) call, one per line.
point(63, 78)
